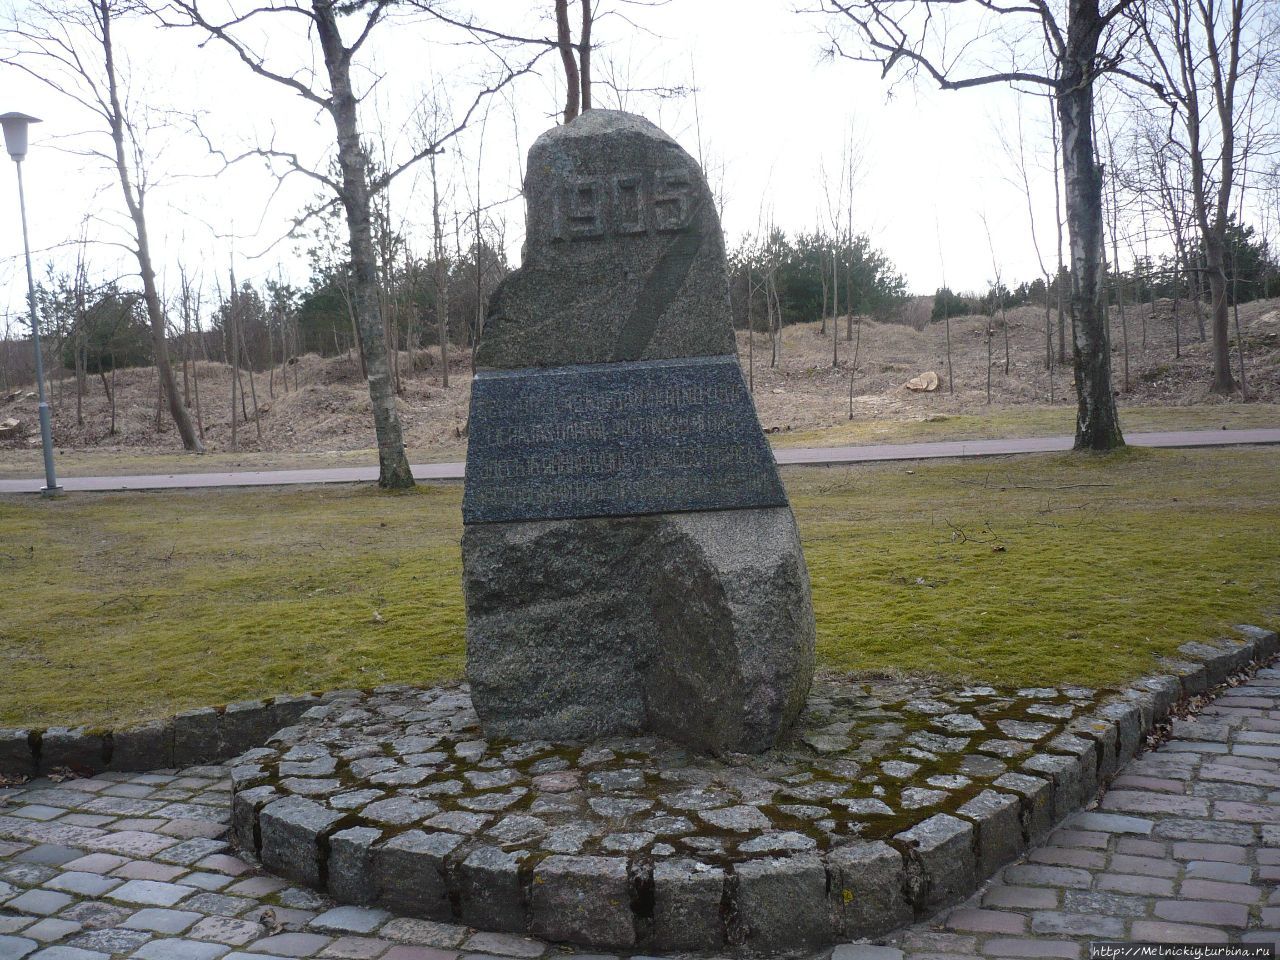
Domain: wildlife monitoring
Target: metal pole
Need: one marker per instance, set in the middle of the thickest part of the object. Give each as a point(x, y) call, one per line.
point(51, 487)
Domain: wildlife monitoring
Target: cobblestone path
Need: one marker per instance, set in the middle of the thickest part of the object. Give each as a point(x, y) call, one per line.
point(1185, 847)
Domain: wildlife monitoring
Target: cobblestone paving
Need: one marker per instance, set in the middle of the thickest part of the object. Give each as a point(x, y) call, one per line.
point(870, 759)
point(1185, 847)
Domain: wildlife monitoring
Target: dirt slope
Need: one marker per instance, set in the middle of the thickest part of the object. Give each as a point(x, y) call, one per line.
point(804, 391)
point(326, 406)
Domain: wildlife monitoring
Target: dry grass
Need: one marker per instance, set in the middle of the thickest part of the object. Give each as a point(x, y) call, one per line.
point(804, 392)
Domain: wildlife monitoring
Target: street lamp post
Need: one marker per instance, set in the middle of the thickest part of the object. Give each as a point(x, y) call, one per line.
point(15, 140)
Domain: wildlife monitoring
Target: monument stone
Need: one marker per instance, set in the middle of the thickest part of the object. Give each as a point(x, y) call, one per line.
point(630, 561)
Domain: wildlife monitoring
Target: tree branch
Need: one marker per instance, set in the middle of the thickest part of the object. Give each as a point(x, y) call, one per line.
point(886, 36)
point(255, 63)
point(379, 183)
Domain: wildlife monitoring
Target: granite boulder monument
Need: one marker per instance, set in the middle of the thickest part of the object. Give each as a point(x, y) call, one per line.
point(630, 561)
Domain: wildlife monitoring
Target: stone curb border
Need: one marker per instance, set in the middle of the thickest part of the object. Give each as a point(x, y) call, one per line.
point(762, 906)
point(207, 735)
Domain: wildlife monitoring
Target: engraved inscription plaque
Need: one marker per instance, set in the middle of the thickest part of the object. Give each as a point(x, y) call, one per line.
point(615, 439)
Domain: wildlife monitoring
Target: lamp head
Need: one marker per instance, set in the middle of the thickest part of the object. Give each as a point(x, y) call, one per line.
point(15, 133)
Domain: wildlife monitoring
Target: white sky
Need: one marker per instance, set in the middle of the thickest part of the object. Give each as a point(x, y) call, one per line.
point(773, 116)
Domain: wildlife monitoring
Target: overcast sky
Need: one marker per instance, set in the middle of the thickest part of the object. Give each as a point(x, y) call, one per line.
point(772, 113)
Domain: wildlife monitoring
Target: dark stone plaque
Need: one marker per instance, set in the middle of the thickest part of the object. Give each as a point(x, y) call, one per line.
point(615, 439)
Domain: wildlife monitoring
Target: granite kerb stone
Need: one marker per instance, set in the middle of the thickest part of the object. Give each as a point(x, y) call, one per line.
point(205, 735)
point(245, 806)
point(1221, 658)
point(1268, 641)
point(1191, 676)
point(1160, 693)
point(1000, 838)
point(1035, 802)
point(349, 867)
point(857, 890)
point(688, 906)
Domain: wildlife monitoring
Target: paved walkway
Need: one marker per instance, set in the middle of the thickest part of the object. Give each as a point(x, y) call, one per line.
point(1184, 848)
point(800, 456)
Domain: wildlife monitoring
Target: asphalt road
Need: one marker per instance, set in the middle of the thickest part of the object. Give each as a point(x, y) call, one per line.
point(801, 456)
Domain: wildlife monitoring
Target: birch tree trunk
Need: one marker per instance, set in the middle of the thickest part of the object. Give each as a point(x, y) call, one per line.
point(393, 465)
point(1097, 423)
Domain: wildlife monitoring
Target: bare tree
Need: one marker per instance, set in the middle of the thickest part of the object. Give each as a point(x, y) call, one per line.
point(1117, 274)
point(834, 200)
point(441, 276)
point(71, 49)
point(355, 184)
point(573, 104)
point(81, 292)
point(946, 307)
point(1017, 153)
point(6, 354)
point(1061, 276)
point(1211, 57)
point(920, 37)
point(997, 289)
point(576, 58)
point(1159, 172)
point(189, 298)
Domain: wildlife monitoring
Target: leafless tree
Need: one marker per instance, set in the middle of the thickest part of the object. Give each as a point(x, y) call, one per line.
point(1113, 209)
point(1056, 141)
point(241, 349)
point(70, 47)
point(1158, 172)
point(440, 276)
point(80, 334)
point(835, 198)
point(355, 184)
point(6, 354)
point(946, 311)
point(1017, 154)
point(997, 288)
point(190, 296)
point(1212, 57)
point(921, 37)
point(577, 58)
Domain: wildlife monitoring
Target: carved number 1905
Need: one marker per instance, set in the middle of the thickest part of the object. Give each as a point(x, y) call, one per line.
point(623, 205)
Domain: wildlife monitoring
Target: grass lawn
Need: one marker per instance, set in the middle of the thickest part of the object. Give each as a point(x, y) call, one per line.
point(1031, 420)
point(1045, 569)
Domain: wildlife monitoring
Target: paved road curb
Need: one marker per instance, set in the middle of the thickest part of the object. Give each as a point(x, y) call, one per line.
point(857, 891)
point(785, 456)
point(207, 735)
